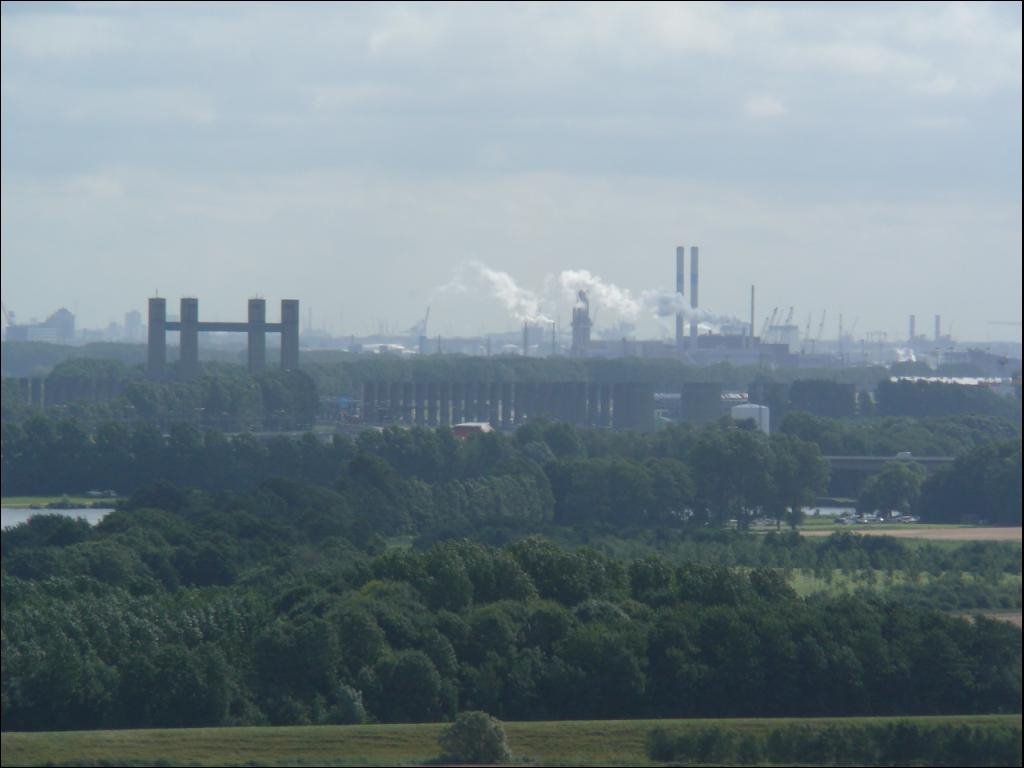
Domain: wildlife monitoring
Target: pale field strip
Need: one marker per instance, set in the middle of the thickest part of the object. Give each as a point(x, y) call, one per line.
point(937, 534)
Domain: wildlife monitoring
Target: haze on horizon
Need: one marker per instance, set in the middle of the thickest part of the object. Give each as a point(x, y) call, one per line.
point(861, 159)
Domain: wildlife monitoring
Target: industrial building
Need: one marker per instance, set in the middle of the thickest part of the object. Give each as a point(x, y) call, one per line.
point(58, 328)
point(621, 405)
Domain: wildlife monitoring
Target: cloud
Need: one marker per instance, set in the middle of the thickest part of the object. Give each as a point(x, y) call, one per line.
point(702, 27)
point(939, 85)
point(56, 35)
point(384, 144)
point(764, 106)
point(96, 185)
point(406, 32)
point(863, 58)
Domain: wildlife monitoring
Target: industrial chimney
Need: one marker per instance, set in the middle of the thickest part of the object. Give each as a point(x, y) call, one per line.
point(581, 324)
point(694, 269)
point(938, 327)
point(680, 289)
point(913, 327)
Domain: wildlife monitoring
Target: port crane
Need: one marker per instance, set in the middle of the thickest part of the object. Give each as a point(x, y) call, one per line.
point(768, 321)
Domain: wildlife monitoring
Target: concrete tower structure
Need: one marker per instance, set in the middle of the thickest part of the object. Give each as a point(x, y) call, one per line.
point(156, 349)
point(681, 290)
point(188, 365)
point(189, 327)
point(257, 336)
point(290, 334)
point(694, 273)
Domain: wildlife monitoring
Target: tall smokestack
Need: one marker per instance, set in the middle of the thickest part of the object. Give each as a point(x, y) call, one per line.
point(938, 327)
point(694, 270)
point(526, 340)
point(681, 290)
point(913, 327)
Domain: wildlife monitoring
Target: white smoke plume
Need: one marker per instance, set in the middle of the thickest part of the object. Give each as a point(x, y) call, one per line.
point(617, 305)
point(663, 303)
point(905, 355)
point(623, 303)
point(475, 277)
point(608, 296)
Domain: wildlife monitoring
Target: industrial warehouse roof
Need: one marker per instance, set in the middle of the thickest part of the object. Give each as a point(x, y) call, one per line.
point(970, 381)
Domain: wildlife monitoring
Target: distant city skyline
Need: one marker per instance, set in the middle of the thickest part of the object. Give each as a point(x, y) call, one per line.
point(863, 160)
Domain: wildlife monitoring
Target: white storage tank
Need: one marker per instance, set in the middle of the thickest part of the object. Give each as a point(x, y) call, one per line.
point(759, 413)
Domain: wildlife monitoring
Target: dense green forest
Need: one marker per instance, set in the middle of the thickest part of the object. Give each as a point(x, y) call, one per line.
point(283, 604)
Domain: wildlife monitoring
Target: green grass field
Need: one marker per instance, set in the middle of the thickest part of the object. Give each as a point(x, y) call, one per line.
point(840, 582)
point(591, 742)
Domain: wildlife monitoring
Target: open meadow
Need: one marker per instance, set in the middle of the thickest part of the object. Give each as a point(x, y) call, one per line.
point(581, 742)
point(930, 532)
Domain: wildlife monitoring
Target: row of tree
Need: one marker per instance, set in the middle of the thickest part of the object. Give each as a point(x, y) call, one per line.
point(927, 436)
point(994, 742)
point(836, 399)
point(286, 511)
point(227, 397)
point(543, 471)
point(92, 391)
point(983, 485)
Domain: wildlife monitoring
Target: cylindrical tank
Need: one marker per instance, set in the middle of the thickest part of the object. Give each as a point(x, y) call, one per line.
point(761, 415)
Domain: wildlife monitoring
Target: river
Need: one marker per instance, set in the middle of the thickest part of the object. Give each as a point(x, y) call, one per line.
point(11, 517)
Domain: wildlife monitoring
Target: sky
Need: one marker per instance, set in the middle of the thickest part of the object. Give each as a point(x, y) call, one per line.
point(857, 159)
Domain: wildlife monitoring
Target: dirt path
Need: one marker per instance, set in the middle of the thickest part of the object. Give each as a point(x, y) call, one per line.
point(923, 532)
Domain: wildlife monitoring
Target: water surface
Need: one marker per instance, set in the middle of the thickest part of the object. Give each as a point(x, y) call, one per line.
point(11, 517)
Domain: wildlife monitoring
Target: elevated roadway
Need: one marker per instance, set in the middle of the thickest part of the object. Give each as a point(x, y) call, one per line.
point(873, 464)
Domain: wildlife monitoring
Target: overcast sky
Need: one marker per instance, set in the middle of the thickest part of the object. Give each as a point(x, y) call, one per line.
point(859, 159)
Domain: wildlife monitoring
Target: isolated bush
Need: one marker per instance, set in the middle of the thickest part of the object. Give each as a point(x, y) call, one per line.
point(349, 709)
point(474, 737)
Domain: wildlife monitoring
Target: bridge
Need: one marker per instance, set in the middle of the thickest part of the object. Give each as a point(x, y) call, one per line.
point(873, 464)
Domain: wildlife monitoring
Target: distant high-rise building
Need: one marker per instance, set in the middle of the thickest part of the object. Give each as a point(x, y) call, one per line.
point(41, 332)
point(63, 324)
point(58, 328)
point(133, 325)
